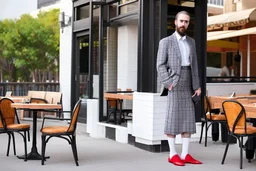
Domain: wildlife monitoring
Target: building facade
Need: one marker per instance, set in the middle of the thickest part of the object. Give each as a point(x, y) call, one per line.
point(114, 46)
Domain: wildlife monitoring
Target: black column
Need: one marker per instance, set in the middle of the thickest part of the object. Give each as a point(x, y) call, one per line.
point(101, 64)
point(90, 88)
point(200, 38)
point(146, 47)
point(163, 18)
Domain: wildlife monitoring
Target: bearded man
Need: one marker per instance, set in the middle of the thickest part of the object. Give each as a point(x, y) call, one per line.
point(178, 71)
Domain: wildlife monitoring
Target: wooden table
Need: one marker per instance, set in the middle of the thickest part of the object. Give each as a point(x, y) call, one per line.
point(119, 97)
point(250, 108)
point(34, 155)
point(123, 96)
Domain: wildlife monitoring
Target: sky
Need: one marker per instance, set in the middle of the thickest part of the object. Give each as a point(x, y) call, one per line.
point(14, 8)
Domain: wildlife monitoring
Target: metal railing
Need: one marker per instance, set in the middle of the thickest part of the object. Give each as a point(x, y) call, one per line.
point(230, 79)
point(216, 2)
point(22, 88)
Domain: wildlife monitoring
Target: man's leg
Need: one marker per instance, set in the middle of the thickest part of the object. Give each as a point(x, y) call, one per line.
point(171, 142)
point(185, 144)
point(173, 157)
point(185, 156)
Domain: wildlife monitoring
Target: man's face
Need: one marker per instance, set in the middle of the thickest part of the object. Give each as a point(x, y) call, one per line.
point(182, 23)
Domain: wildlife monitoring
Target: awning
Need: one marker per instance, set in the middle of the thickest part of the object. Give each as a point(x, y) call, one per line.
point(217, 35)
point(232, 19)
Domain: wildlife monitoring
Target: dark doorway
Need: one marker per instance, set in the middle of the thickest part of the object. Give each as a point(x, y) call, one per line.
point(82, 74)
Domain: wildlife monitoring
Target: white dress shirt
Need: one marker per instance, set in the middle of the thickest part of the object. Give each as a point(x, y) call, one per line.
point(184, 49)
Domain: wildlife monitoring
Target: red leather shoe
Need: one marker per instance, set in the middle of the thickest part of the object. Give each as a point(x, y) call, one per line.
point(176, 160)
point(190, 159)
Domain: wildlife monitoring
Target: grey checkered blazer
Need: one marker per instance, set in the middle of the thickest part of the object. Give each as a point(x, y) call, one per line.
point(169, 61)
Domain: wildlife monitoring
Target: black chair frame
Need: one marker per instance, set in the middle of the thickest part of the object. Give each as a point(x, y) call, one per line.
point(69, 136)
point(204, 121)
point(239, 137)
point(22, 132)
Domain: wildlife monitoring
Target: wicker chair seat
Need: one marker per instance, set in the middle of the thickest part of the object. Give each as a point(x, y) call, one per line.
point(18, 126)
point(55, 129)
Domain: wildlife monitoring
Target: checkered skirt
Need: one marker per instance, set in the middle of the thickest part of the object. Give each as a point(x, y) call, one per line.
point(180, 112)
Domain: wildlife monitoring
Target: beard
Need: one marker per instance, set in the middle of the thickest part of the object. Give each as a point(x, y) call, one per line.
point(181, 30)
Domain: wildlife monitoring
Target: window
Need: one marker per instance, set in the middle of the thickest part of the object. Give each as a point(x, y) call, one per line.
point(83, 12)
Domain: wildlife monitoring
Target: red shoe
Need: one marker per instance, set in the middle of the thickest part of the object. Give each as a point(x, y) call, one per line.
point(190, 159)
point(176, 160)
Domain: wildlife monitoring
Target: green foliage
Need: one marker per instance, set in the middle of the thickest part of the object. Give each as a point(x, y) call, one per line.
point(31, 43)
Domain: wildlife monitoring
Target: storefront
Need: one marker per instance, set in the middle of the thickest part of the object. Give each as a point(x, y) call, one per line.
point(114, 46)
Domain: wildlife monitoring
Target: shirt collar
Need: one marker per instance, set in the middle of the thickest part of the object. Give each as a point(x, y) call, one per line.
point(178, 36)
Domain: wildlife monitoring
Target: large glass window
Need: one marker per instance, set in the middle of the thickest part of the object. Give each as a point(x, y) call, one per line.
point(84, 66)
point(83, 12)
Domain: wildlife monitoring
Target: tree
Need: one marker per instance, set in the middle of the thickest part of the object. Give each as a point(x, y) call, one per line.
point(31, 43)
point(8, 41)
point(39, 48)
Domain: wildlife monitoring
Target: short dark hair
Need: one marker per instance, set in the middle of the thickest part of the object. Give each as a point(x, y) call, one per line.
point(181, 12)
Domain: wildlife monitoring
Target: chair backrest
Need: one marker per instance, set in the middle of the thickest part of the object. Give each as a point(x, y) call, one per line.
point(1, 123)
point(8, 93)
point(53, 97)
point(235, 115)
point(38, 100)
point(207, 107)
point(8, 113)
point(36, 94)
point(72, 126)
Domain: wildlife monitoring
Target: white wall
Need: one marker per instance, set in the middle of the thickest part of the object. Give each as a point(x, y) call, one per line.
point(15, 8)
point(127, 57)
point(65, 56)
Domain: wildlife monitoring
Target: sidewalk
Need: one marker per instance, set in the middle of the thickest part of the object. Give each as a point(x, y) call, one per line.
point(108, 155)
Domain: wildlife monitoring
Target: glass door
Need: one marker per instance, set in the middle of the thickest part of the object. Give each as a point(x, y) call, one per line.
point(82, 74)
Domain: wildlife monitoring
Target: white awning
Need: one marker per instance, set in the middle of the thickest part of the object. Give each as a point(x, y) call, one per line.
point(217, 35)
point(236, 18)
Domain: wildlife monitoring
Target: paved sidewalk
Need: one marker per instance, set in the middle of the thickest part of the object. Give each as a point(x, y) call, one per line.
point(108, 155)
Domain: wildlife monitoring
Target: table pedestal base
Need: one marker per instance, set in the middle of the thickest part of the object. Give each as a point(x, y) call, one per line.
point(33, 155)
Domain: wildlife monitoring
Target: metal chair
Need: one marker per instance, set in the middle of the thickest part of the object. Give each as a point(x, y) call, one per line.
point(237, 126)
point(66, 132)
point(8, 116)
point(210, 117)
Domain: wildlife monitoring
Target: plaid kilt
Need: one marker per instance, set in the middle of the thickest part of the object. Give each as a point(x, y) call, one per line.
point(180, 112)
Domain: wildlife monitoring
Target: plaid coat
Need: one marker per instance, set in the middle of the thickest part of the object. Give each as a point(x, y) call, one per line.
point(180, 112)
point(169, 61)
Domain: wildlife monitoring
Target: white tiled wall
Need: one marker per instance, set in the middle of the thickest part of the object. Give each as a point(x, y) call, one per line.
point(148, 119)
point(148, 116)
point(111, 60)
point(127, 57)
point(65, 56)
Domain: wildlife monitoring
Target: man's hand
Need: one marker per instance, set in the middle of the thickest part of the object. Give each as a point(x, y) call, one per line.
point(170, 87)
point(197, 92)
